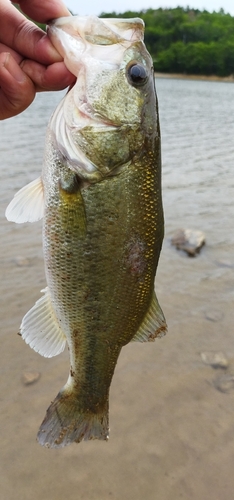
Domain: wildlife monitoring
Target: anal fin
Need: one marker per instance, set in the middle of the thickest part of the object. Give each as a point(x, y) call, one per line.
point(153, 325)
point(40, 328)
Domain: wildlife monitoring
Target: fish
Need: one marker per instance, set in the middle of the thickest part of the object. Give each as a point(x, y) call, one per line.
point(100, 199)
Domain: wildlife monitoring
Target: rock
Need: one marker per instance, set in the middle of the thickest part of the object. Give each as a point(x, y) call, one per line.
point(224, 263)
point(188, 240)
point(21, 261)
point(214, 315)
point(214, 359)
point(224, 383)
point(30, 377)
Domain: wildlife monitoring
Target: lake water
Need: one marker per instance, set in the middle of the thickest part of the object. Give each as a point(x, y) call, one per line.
point(162, 391)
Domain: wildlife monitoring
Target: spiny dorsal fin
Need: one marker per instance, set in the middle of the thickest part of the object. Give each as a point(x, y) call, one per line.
point(154, 324)
point(27, 204)
point(40, 328)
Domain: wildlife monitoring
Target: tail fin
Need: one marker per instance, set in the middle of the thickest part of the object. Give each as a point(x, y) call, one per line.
point(65, 423)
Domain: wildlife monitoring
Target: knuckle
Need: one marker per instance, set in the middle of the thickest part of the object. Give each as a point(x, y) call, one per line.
point(26, 37)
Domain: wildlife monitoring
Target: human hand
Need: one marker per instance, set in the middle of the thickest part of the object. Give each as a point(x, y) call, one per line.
point(28, 61)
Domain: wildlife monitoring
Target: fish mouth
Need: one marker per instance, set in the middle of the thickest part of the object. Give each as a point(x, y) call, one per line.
point(93, 39)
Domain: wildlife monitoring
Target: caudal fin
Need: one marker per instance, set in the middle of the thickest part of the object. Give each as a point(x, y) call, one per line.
point(64, 423)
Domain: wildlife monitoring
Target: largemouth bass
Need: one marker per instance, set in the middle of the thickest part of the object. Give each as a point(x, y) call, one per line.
point(100, 199)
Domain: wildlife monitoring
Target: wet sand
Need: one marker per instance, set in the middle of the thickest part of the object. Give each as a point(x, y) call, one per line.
point(171, 415)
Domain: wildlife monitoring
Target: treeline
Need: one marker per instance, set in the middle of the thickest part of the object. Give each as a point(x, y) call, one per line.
point(190, 41)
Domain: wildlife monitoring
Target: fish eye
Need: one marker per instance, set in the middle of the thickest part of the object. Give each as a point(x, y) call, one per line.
point(137, 74)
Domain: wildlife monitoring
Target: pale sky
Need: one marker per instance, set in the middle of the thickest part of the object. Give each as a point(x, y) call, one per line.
point(88, 7)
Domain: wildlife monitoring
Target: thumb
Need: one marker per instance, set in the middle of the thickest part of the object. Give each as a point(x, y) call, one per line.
point(17, 91)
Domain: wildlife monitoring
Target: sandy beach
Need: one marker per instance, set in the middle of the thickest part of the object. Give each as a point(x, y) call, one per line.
point(171, 413)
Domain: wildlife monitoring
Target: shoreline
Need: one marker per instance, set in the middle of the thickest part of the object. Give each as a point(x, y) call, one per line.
point(182, 76)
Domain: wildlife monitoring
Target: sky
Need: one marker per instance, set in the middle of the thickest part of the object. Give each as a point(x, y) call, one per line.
point(88, 7)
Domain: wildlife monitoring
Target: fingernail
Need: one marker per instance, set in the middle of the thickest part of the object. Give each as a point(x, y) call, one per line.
point(13, 68)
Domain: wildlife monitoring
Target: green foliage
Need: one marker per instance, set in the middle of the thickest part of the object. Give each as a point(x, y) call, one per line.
point(185, 40)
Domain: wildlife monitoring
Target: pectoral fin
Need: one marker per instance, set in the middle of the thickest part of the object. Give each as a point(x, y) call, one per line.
point(154, 324)
point(27, 204)
point(41, 330)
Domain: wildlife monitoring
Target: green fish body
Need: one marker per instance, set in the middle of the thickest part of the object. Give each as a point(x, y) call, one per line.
point(102, 220)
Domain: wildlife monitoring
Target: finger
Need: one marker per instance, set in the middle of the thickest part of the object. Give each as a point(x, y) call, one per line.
point(24, 36)
point(4, 48)
point(53, 77)
point(44, 12)
point(16, 89)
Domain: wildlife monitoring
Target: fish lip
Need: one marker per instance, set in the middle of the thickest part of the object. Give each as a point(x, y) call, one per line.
point(86, 110)
point(116, 25)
